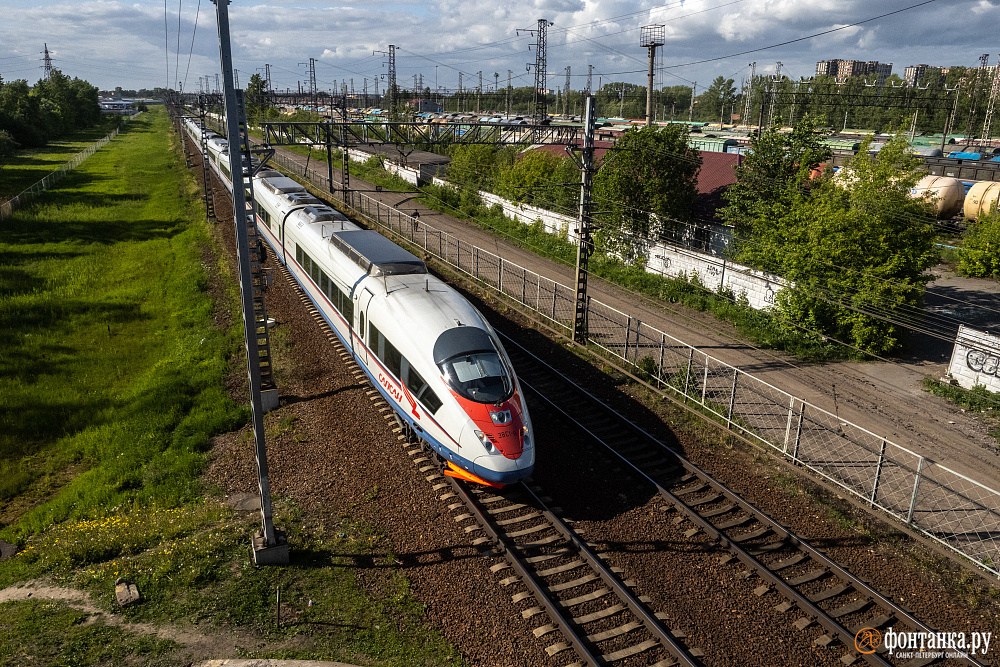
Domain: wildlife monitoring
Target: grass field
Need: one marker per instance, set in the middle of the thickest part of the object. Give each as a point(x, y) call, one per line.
point(113, 380)
point(32, 164)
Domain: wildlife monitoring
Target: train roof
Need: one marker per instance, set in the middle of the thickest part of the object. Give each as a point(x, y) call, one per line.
point(377, 255)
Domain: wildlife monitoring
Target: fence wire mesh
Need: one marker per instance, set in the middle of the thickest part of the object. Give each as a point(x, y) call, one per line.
point(945, 505)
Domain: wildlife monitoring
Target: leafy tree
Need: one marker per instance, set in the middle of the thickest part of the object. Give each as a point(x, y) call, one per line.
point(769, 181)
point(8, 147)
point(719, 96)
point(540, 178)
point(650, 182)
point(855, 251)
point(476, 166)
point(979, 256)
point(256, 98)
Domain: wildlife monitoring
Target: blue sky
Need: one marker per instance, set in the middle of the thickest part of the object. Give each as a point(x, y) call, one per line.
point(109, 42)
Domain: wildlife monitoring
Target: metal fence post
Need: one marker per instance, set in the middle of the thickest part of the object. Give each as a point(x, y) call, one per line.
point(916, 485)
point(704, 382)
point(878, 474)
point(628, 330)
point(659, 365)
point(788, 424)
point(687, 375)
point(798, 433)
point(500, 275)
point(553, 301)
point(732, 397)
point(524, 287)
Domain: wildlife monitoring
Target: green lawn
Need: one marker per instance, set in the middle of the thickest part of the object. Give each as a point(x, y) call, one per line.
point(32, 164)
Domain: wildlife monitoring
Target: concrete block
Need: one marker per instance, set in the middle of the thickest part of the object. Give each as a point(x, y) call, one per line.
point(273, 555)
point(126, 593)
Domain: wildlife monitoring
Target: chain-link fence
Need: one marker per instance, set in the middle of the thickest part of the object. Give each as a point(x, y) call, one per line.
point(947, 506)
point(28, 195)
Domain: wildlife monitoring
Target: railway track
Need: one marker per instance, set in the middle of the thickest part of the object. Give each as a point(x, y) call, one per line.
point(555, 575)
point(802, 579)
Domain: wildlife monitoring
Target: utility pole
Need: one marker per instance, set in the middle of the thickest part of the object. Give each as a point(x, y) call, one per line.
point(590, 79)
point(508, 93)
point(774, 90)
point(652, 36)
point(694, 88)
point(479, 93)
point(983, 61)
point(566, 93)
point(584, 245)
point(460, 91)
point(269, 546)
point(991, 104)
point(541, 99)
point(748, 95)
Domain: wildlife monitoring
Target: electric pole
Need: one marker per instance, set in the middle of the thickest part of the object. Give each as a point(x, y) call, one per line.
point(652, 36)
point(47, 64)
point(590, 79)
point(269, 545)
point(479, 93)
point(994, 90)
point(748, 95)
point(508, 93)
point(541, 99)
point(584, 245)
point(694, 88)
point(566, 93)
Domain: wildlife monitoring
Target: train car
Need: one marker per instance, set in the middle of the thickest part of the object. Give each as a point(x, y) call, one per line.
point(427, 350)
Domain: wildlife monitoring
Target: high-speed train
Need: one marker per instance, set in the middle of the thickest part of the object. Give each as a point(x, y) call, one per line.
point(430, 353)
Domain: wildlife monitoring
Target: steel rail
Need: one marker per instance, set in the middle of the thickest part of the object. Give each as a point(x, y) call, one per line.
point(813, 611)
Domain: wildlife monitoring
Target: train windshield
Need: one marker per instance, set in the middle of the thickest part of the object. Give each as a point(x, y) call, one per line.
point(480, 377)
point(472, 366)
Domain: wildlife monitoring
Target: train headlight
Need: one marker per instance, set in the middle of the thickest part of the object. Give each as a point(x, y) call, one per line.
point(483, 438)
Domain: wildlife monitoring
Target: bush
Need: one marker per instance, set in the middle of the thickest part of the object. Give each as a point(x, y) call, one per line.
point(979, 256)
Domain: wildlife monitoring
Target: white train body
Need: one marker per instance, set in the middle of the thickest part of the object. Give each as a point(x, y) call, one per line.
point(429, 352)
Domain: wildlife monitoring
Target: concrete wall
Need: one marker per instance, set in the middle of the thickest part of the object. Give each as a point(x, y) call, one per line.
point(408, 174)
point(975, 358)
point(714, 273)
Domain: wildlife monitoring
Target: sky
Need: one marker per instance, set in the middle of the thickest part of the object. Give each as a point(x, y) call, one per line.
point(148, 44)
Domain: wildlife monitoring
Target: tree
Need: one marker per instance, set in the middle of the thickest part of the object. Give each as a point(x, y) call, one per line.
point(855, 251)
point(769, 181)
point(540, 178)
point(8, 147)
point(718, 97)
point(648, 185)
point(256, 98)
point(979, 256)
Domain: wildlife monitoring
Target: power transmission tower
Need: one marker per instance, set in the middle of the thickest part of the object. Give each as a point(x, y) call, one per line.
point(269, 546)
point(218, 88)
point(651, 36)
point(748, 95)
point(774, 88)
point(590, 79)
point(983, 61)
point(47, 63)
point(541, 91)
point(994, 90)
point(566, 93)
